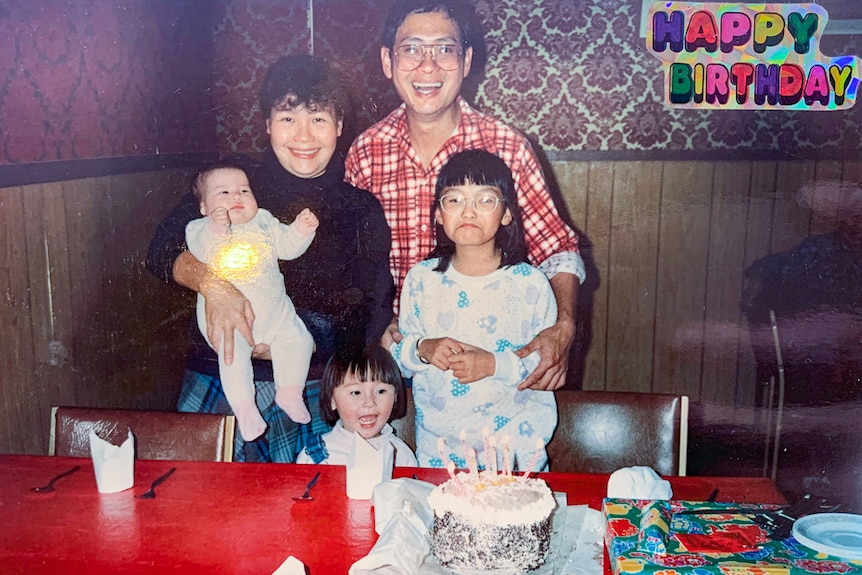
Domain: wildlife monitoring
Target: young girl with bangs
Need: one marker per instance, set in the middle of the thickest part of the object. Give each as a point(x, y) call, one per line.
point(464, 312)
point(361, 392)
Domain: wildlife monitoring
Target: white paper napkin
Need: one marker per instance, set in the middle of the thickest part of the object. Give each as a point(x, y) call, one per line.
point(388, 498)
point(114, 465)
point(367, 467)
point(638, 483)
point(291, 566)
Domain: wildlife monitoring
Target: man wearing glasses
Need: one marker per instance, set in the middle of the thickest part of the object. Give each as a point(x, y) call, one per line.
point(427, 52)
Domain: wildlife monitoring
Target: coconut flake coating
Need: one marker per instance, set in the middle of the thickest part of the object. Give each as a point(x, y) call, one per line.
point(502, 524)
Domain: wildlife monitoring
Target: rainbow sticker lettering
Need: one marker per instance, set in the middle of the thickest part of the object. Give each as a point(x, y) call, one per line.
point(748, 56)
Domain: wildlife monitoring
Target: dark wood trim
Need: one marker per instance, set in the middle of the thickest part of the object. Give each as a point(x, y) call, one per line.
point(43, 172)
point(697, 155)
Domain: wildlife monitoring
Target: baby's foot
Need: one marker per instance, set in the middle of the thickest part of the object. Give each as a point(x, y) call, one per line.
point(250, 422)
point(289, 398)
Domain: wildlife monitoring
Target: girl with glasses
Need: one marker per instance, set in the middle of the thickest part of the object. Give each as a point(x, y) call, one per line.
point(464, 312)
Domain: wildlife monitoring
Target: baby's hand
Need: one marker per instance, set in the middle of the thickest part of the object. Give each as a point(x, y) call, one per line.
point(306, 222)
point(220, 220)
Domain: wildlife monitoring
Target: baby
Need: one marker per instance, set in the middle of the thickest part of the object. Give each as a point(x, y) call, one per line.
point(242, 244)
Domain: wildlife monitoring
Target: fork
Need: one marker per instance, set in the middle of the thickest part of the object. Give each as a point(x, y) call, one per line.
point(151, 492)
point(50, 485)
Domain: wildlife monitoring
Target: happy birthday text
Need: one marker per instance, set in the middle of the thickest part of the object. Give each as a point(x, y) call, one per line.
point(732, 56)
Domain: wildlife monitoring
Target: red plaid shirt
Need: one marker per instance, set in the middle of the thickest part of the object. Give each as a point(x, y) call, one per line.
point(383, 161)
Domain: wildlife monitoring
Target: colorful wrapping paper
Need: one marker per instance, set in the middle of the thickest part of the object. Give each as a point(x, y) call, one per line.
point(651, 537)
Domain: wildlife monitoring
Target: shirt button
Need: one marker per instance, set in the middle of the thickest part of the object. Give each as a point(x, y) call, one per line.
point(424, 227)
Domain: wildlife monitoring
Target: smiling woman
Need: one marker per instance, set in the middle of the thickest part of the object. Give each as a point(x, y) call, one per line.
point(341, 286)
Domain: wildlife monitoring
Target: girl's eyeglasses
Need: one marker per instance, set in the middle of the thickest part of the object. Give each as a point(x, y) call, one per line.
point(483, 203)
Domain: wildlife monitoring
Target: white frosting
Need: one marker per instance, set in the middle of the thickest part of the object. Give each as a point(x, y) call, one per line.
point(493, 499)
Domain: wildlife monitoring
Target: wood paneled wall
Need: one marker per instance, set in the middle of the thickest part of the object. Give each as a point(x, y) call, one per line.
point(84, 323)
point(669, 242)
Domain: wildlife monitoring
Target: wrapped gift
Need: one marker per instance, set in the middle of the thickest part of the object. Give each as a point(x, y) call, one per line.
point(705, 538)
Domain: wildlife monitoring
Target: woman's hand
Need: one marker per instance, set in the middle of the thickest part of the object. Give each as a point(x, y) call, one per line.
point(391, 335)
point(226, 310)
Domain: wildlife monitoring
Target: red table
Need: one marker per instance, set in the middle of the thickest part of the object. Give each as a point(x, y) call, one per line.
point(230, 518)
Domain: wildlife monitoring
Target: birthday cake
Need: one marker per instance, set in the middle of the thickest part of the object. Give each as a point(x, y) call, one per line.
point(494, 522)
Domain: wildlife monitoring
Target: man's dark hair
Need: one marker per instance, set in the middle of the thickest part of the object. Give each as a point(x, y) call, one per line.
point(303, 80)
point(461, 12)
point(481, 168)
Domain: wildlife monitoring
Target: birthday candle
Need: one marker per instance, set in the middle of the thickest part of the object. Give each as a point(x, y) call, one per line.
point(540, 445)
point(471, 462)
point(492, 443)
point(441, 449)
point(450, 467)
point(485, 433)
point(505, 441)
point(463, 436)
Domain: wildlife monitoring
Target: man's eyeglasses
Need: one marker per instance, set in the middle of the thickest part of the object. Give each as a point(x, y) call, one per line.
point(408, 57)
point(484, 203)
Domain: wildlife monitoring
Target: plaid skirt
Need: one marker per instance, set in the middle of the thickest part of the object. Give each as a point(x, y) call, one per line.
point(283, 440)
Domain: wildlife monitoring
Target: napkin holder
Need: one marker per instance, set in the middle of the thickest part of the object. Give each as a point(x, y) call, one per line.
point(638, 482)
point(114, 465)
point(367, 467)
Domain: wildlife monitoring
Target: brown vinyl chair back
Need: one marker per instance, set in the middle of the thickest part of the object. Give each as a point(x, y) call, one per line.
point(602, 431)
point(158, 434)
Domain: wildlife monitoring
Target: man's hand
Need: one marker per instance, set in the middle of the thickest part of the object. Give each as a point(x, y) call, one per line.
point(226, 310)
point(391, 335)
point(472, 364)
point(553, 345)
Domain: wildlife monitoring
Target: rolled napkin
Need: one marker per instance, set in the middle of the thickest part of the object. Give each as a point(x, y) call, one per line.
point(638, 483)
point(389, 496)
point(291, 566)
point(114, 465)
point(367, 467)
point(401, 548)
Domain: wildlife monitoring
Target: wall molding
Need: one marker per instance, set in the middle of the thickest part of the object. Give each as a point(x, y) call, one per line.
point(63, 170)
point(44, 172)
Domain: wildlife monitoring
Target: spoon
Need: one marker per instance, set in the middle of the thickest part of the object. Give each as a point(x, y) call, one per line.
point(151, 492)
point(50, 486)
point(305, 496)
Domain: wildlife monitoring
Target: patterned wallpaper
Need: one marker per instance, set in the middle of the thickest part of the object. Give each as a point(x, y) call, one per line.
point(573, 74)
point(576, 75)
point(92, 79)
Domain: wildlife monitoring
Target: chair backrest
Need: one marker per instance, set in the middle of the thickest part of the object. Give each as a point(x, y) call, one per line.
point(602, 431)
point(158, 434)
point(405, 428)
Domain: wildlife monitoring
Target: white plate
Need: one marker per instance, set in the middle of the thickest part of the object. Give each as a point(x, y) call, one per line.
point(838, 534)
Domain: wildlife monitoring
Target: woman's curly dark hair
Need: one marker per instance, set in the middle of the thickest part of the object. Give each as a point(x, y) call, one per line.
point(303, 80)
